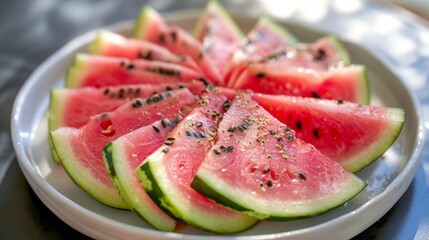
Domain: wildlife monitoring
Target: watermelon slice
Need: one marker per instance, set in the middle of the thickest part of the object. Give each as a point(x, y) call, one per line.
point(100, 71)
point(115, 45)
point(73, 107)
point(122, 157)
point(218, 33)
point(268, 172)
point(352, 134)
point(265, 36)
point(151, 27)
point(79, 149)
point(168, 172)
point(343, 83)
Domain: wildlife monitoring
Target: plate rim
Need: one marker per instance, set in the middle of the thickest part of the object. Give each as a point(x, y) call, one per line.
point(46, 192)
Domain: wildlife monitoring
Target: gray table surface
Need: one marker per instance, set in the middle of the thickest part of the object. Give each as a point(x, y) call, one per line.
point(31, 30)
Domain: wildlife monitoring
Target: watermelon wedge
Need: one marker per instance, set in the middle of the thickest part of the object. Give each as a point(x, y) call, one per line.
point(151, 27)
point(218, 33)
point(115, 45)
point(122, 157)
point(73, 107)
point(268, 172)
point(352, 134)
point(167, 174)
point(343, 83)
point(100, 71)
point(264, 37)
point(79, 149)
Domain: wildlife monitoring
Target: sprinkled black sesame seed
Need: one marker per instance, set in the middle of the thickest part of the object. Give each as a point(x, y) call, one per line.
point(106, 91)
point(229, 148)
point(302, 176)
point(165, 150)
point(163, 123)
point(232, 129)
point(168, 142)
point(260, 75)
point(299, 125)
point(272, 132)
point(199, 124)
point(171, 138)
point(269, 184)
point(266, 169)
point(216, 152)
point(188, 133)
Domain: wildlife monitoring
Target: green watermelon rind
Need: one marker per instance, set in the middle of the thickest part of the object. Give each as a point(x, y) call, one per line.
point(98, 44)
point(55, 119)
point(367, 156)
point(81, 175)
point(215, 6)
point(113, 154)
point(75, 71)
point(287, 36)
point(220, 191)
point(364, 95)
point(142, 22)
point(153, 176)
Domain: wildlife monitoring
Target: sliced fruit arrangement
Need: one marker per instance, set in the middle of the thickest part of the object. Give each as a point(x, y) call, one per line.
point(167, 174)
point(267, 172)
point(123, 156)
point(218, 33)
point(115, 45)
point(217, 130)
point(79, 149)
point(151, 27)
point(345, 83)
point(100, 71)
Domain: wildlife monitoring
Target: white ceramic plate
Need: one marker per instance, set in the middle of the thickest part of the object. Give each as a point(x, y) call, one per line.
point(387, 178)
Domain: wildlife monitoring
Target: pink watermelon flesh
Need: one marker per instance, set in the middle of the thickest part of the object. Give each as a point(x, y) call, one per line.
point(151, 27)
point(265, 36)
point(123, 156)
point(80, 149)
point(115, 45)
point(74, 106)
point(344, 83)
point(218, 33)
point(168, 172)
point(100, 71)
point(353, 135)
point(269, 172)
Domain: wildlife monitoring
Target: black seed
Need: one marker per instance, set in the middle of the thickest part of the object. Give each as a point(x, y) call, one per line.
point(231, 129)
point(222, 148)
point(137, 92)
point(229, 148)
point(266, 170)
point(216, 152)
point(173, 35)
point(302, 176)
point(188, 133)
point(269, 184)
point(260, 75)
point(168, 88)
point(171, 138)
point(149, 55)
point(261, 184)
point(121, 93)
point(106, 91)
point(288, 129)
point(315, 95)
point(130, 91)
point(316, 133)
point(202, 135)
point(169, 142)
point(104, 116)
point(131, 66)
point(122, 63)
point(240, 128)
point(149, 100)
point(164, 123)
point(162, 38)
point(206, 83)
point(226, 105)
point(137, 103)
point(181, 86)
point(290, 138)
point(280, 139)
point(340, 101)
point(299, 125)
point(272, 132)
point(155, 128)
point(165, 150)
point(199, 124)
point(320, 55)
